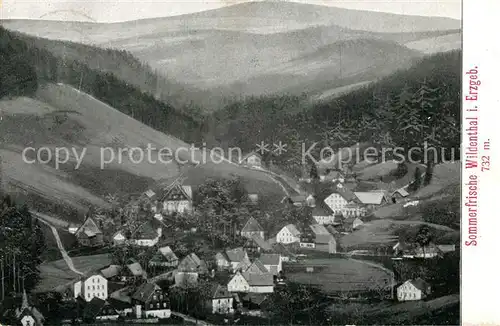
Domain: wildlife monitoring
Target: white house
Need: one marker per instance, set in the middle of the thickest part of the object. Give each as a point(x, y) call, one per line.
point(119, 238)
point(412, 290)
point(238, 283)
point(288, 234)
point(93, 286)
point(339, 199)
point(221, 301)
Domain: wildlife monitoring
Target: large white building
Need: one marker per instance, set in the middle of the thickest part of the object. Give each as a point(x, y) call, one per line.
point(412, 290)
point(90, 287)
point(288, 234)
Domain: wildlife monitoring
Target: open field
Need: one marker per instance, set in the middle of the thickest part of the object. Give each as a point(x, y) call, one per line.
point(335, 275)
point(56, 273)
point(380, 232)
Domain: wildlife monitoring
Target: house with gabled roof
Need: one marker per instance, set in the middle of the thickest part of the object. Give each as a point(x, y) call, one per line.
point(259, 283)
point(177, 198)
point(323, 214)
point(146, 235)
point(99, 309)
point(414, 289)
point(257, 268)
point(151, 301)
point(238, 283)
point(164, 257)
point(220, 301)
point(272, 262)
point(252, 227)
point(371, 199)
point(257, 244)
point(295, 200)
point(288, 234)
point(399, 194)
point(252, 159)
point(89, 234)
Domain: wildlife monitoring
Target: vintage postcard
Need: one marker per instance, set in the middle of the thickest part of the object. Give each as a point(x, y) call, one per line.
point(247, 162)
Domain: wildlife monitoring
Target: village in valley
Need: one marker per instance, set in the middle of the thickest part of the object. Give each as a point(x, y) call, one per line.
point(176, 254)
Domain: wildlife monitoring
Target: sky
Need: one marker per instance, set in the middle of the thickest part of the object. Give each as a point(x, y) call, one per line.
point(123, 10)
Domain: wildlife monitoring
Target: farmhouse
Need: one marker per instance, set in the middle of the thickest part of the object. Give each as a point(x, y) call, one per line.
point(145, 235)
point(164, 257)
point(99, 309)
point(288, 234)
point(416, 289)
point(89, 234)
point(257, 268)
point(323, 214)
point(176, 198)
point(119, 238)
point(93, 286)
point(339, 199)
point(151, 301)
point(237, 258)
point(257, 244)
point(399, 194)
point(238, 283)
point(221, 301)
point(252, 159)
point(372, 199)
point(252, 227)
point(132, 272)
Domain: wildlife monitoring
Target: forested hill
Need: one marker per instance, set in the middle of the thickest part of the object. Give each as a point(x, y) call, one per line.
point(404, 109)
point(26, 63)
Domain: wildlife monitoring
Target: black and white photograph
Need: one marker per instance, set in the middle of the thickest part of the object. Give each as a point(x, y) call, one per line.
point(235, 162)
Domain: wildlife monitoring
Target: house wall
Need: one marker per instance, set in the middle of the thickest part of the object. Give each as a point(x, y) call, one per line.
point(324, 219)
point(238, 284)
point(158, 313)
point(94, 286)
point(28, 320)
point(262, 289)
point(222, 306)
point(249, 234)
point(336, 202)
point(112, 317)
point(285, 236)
point(221, 263)
point(178, 206)
point(307, 245)
point(145, 242)
point(408, 292)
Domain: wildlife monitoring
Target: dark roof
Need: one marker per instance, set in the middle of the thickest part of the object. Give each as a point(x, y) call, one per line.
point(324, 238)
point(420, 284)
point(144, 292)
point(259, 241)
point(322, 209)
point(145, 231)
point(111, 270)
point(252, 226)
point(187, 265)
point(259, 279)
point(236, 254)
point(270, 259)
point(93, 308)
point(256, 298)
point(257, 267)
point(119, 304)
point(89, 227)
point(218, 291)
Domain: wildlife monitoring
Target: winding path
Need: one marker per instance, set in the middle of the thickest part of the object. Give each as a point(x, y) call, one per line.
point(63, 251)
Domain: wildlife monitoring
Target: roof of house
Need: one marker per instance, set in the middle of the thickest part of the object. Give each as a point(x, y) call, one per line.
point(218, 291)
point(420, 284)
point(186, 190)
point(259, 279)
point(332, 229)
point(168, 253)
point(236, 254)
point(195, 258)
point(292, 229)
point(259, 241)
point(281, 249)
point(89, 227)
point(270, 259)
point(93, 307)
point(250, 154)
point(111, 271)
point(322, 209)
point(324, 238)
point(256, 298)
point(319, 229)
point(446, 248)
point(402, 192)
point(187, 264)
point(371, 197)
point(257, 266)
point(135, 269)
point(145, 231)
point(252, 226)
point(144, 292)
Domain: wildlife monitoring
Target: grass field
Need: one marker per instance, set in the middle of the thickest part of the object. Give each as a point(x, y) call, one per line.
point(56, 273)
point(335, 275)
